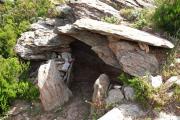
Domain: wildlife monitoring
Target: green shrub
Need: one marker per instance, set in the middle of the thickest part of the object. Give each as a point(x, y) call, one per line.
point(144, 18)
point(11, 87)
point(130, 14)
point(112, 20)
point(145, 93)
point(167, 69)
point(143, 90)
point(15, 18)
point(167, 15)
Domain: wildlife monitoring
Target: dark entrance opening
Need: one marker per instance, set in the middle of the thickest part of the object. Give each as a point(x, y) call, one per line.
point(87, 68)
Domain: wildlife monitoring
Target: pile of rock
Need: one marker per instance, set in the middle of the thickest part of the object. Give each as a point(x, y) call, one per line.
point(119, 46)
point(104, 95)
point(122, 99)
point(52, 77)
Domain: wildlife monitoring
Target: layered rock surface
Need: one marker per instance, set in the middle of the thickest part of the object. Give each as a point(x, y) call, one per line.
point(130, 3)
point(53, 90)
point(111, 43)
point(114, 44)
point(121, 32)
point(40, 42)
point(94, 9)
point(123, 112)
point(100, 93)
point(119, 46)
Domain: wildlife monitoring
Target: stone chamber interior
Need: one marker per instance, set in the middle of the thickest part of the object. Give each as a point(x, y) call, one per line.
point(87, 68)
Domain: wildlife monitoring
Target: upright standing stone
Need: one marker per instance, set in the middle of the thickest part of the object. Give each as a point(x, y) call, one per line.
point(53, 90)
point(100, 93)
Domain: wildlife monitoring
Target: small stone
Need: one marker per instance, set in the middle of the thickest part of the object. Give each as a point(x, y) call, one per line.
point(177, 60)
point(129, 93)
point(170, 94)
point(66, 56)
point(173, 79)
point(117, 87)
point(123, 112)
point(114, 114)
point(166, 116)
point(65, 66)
point(155, 81)
point(114, 96)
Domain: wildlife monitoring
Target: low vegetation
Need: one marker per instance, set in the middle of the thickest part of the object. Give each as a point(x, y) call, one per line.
point(144, 18)
point(149, 96)
point(166, 15)
point(15, 18)
point(164, 19)
point(13, 82)
point(170, 67)
point(129, 14)
point(112, 20)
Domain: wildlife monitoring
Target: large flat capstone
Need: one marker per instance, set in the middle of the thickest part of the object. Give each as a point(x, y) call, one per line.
point(121, 32)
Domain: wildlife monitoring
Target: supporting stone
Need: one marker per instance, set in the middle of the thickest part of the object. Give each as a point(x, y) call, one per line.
point(41, 41)
point(53, 90)
point(100, 93)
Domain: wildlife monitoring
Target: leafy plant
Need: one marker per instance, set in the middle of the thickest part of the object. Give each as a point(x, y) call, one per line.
point(143, 90)
point(176, 96)
point(130, 14)
point(168, 69)
point(15, 18)
point(144, 18)
point(167, 15)
point(112, 20)
point(145, 93)
point(10, 86)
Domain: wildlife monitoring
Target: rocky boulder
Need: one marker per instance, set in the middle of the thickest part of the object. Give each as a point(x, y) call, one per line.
point(100, 93)
point(41, 41)
point(94, 9)
point(98, 43)
point(120, 46)
point(130, 3)
point(53, 90)
point(121, 32)
point(132, 59)
point(139, 63)
point(156, 81)
point(113, 50)
point(114, 96)
point(123, 112)
point(129, 93)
